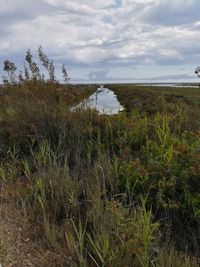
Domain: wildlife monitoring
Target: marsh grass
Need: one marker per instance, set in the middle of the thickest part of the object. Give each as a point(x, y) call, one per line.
point(98, 190)
point(3, 247)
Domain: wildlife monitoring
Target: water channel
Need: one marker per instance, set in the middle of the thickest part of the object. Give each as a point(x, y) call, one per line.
point(103, 100)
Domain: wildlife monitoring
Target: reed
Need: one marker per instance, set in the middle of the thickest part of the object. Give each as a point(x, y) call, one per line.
point(101, 190)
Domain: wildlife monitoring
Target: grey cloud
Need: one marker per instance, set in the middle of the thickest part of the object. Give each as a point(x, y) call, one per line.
point(99, 74)
point(128, 32)
point(170, 12)
point(156, 79)
point(24, 10)
point(171, 77)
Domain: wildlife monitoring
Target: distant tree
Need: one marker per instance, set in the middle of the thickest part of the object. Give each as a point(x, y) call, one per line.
point(33, 67)
point(197, 72)
point(65, 74)
point(32, 71)
point(10, 68)
point(48, 64)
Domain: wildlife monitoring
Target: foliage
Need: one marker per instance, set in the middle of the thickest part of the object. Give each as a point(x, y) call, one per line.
point(99, 190)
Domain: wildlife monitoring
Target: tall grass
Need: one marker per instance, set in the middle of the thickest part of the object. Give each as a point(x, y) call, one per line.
point(99, 190)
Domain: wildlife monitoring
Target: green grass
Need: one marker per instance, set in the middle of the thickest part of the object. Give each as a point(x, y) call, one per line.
point(192, 94)
point(102, 190)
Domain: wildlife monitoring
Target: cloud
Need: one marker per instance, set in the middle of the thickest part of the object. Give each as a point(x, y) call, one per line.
point(170, 12)
point(95, 77)
point(89, 33)
point(86, 4)
point(98, 75)
point(171, 77)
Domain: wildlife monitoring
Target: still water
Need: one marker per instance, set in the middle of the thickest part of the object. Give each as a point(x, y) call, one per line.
point(103, 100)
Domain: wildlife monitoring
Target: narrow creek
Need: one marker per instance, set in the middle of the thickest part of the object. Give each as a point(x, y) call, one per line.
point(103, 100)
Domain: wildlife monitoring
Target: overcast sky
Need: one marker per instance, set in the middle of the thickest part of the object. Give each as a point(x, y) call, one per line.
point(105, 39)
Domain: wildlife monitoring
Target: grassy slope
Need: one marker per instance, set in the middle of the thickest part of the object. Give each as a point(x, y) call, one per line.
point(190, 93)
point(99, 190)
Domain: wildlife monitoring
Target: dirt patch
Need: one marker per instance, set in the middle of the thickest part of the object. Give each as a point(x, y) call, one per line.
point(16, 248)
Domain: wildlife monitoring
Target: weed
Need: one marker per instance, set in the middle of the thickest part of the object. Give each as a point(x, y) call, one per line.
point(99, 190)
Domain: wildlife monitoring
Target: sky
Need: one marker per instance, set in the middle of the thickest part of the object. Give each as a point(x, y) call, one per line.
point(106, 40)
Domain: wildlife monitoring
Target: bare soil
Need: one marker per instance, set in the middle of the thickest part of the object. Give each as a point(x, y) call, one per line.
point(16, 248)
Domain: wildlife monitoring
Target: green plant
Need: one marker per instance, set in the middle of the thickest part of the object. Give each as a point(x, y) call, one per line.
point(148, 234)
point(80, 235)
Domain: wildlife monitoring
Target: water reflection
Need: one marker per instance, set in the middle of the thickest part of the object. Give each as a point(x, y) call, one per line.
point(103, 100)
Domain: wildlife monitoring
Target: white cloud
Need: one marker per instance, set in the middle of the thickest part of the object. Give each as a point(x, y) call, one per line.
point(89, 32)
point(86, 3)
